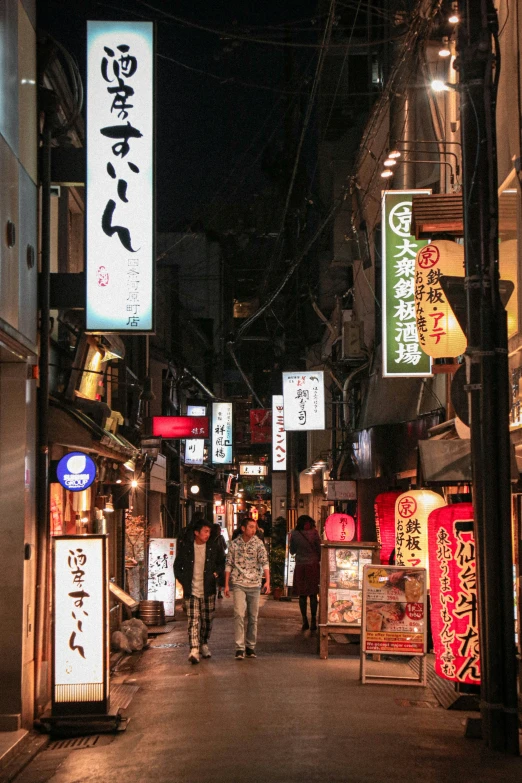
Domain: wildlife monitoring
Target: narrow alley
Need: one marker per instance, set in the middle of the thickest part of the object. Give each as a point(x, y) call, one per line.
point(286, 716)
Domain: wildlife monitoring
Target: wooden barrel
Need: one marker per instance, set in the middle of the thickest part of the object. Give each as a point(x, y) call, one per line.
point(152, 612)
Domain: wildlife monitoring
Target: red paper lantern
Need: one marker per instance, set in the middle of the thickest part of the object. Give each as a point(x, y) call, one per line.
point(412, 509)
point(454, 609)
point(339, 527)
point(385, 523)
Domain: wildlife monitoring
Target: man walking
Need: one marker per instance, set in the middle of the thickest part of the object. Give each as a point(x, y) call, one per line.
point(198, 564)
point(246, 561)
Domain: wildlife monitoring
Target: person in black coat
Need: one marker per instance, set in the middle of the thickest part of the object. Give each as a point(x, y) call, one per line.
point(199, 563)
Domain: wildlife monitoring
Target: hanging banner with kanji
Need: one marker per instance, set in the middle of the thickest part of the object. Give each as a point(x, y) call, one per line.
point(260, 425)
point(303, 400)
point(402, 354)
point(278, 433)
point(221, 433)
point(120, 177)
point(454, 609)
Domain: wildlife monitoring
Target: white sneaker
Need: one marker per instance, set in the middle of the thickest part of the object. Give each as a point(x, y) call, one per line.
point(194, 655)
point(205, 652)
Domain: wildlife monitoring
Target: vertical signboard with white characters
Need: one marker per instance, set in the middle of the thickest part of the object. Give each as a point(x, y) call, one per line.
point(278, 434)
point(162, 584)
point(120, 181)
point(402, 354)
point(221, 433)
point(303, 400)
point(80, 654)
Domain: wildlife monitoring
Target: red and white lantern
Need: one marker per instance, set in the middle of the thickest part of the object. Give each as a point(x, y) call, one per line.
point(412, 510)
point(339, 527)
point(385, 523)
point(454, 608)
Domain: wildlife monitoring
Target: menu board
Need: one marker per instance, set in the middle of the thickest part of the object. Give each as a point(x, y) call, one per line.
point(345, 579)
point(394, 610)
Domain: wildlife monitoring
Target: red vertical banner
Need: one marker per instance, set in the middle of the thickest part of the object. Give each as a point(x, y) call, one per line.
point(454, 609)
point(384, 506)
point(260, 425)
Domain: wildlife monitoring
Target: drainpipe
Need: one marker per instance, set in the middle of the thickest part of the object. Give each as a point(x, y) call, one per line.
point(43, 599)
point(346, 389)
point(402, 127)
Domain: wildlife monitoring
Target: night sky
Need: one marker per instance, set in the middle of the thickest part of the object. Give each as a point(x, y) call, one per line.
point(211, 128)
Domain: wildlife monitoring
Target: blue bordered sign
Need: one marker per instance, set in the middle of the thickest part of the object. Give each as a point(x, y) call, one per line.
point(76, 471)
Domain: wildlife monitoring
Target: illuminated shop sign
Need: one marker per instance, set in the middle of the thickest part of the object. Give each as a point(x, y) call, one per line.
point(80, 655)
point(180, 426)
point(247, 469)
point(402, 354)
point(221, 433)
point(278, 433)
point(120, 183)
point(76, 471)
point(194, 451)
point(303, 400)
point(162, 584)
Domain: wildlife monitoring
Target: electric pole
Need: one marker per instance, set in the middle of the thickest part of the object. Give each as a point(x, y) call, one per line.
point(487, 375)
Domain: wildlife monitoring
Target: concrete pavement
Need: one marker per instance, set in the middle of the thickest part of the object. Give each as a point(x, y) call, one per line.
point(284, 717)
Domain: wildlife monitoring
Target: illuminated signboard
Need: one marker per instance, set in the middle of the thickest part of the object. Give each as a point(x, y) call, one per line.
point(221, 433)
point(402, 354)
point(194, 448)
point(120, 183)
point(247, 469)
point(180, 426)
point(303, 400)
point(194, 451)
point(76, 471)
point(278, 434)
point(80, 655)
point(162, 584)
point(196, 410)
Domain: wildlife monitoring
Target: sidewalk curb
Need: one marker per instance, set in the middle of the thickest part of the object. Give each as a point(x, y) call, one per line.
point(31, 746)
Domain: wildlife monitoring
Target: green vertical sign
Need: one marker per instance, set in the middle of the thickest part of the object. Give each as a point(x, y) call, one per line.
point(402, 354)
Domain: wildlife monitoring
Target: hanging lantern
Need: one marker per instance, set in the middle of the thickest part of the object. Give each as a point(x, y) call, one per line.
point(439, 332)
point(508, 268)
point(454, 610)
point(412, 510)
point(339, 527)
point(385, 523)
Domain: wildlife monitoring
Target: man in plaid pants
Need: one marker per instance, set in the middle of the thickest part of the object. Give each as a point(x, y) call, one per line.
point(199, 562)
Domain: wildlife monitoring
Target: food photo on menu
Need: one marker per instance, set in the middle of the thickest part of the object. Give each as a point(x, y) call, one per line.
point(394, 616)
point(344, 607)
point(403, 585)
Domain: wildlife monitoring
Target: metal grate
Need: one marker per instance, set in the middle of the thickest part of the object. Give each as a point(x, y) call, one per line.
point(122, 695)
point(168, 646)
point(76, 743)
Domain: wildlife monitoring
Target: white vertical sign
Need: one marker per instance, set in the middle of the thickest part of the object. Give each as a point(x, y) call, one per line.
point(195, 447)
point(303, 400)
point(278, 434)
point(221, 433)
point(120, 183)
point(162, 585)
point(80, 614)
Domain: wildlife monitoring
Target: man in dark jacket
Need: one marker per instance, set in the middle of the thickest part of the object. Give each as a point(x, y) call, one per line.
point(199, 562)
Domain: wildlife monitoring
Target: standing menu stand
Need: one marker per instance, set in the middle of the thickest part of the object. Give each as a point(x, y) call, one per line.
point(394, 619)
point(340, 608)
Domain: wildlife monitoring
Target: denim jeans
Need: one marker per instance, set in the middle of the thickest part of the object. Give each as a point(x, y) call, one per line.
point(246, 600)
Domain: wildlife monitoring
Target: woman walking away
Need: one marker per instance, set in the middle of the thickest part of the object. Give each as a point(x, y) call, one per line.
point(305, 544)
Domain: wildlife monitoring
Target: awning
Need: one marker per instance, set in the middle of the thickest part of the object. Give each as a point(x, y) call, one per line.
point(73, 429)
point(449, 461)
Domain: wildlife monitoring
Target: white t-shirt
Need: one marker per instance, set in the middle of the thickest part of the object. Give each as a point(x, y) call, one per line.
point(198, 587)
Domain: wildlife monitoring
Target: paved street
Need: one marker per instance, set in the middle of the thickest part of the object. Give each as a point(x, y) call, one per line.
point(286, 716)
